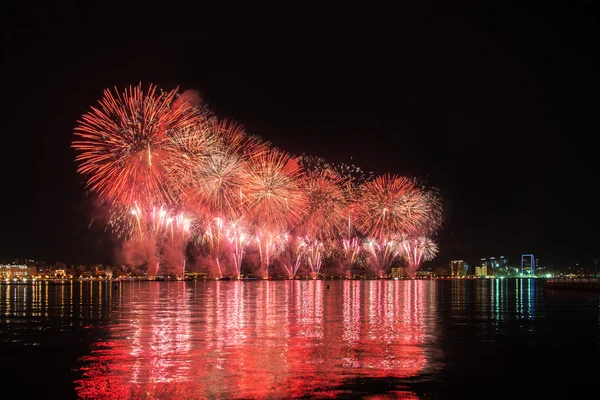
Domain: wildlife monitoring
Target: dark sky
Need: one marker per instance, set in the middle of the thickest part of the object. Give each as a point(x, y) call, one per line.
point(492, 104)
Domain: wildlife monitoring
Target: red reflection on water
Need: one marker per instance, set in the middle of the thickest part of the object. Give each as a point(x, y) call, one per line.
point(257, 340)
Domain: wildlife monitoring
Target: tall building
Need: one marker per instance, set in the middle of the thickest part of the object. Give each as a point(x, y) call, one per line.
point(490, 266)
point(503, 262)
point(494, 265)
point(459, 268)
point(528, 264)
point(481, 270)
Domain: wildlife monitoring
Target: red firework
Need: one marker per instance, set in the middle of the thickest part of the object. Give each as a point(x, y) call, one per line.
point(125, 144)
point(272, 192)
point(390, 204)
point(326, 205)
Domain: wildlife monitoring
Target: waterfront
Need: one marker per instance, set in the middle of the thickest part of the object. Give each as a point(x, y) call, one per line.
point(233, 339)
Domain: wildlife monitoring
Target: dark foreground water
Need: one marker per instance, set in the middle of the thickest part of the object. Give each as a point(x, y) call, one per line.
point(282, 339)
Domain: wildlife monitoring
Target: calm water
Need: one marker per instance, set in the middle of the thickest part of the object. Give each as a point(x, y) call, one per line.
point(282, 339)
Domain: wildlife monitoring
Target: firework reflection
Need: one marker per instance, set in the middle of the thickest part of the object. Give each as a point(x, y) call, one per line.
point(259, 339)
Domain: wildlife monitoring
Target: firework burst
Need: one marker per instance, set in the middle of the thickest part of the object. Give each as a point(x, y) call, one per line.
point(125, 144)
point(273, 196)
point(391, 205)
point(326, 205)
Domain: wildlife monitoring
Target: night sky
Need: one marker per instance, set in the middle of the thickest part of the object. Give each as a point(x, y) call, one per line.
point(491, 105)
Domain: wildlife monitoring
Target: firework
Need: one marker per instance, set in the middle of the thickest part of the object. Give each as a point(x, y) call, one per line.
point(391, 205)
point(238, 239)
point(168, 170)
point(292, 255)
point(313, 250)
point(326, 205)
point(178, 236)
point(269, 244)
point(273, 196)
point(218, 184)
point(213, 236)
point(350, 249)
point(381, 254)
point(124, 145)
point(415, 250)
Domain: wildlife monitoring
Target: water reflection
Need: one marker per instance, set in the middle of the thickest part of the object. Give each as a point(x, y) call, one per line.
point(260, 339)
point(28, 309)
point(299, 338)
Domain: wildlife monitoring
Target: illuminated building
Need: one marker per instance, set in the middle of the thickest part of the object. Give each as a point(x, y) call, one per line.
point(60, 272)
point(398, 272)
point(11, 270)
point(424, 274)
point(481, 270)
point(495, 266)
point(459, 268)
point(528, 264)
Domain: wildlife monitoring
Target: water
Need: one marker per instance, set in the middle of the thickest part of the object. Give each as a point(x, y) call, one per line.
point(282, 339)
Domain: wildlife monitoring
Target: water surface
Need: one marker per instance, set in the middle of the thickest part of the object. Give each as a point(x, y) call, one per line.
point(282, 339)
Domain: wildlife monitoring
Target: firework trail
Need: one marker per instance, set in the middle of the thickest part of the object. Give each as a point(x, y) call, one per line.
point(238, 239)
point(214, 237)
point(381, 254)
point(269, 244)
point(350, 249)
point(178, 231)
point(151, 230)
point(292, 255)
point(313, 251)
point(349, 244)
point(415, 250)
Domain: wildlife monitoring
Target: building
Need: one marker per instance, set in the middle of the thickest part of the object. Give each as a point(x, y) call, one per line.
point(398, 272)
point(60, 273)
point(481, 270)
point(12, 270)
point(528, 264)
point(459, 268)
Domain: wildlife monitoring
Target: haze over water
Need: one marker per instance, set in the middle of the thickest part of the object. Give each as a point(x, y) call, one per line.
point(257, 339)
